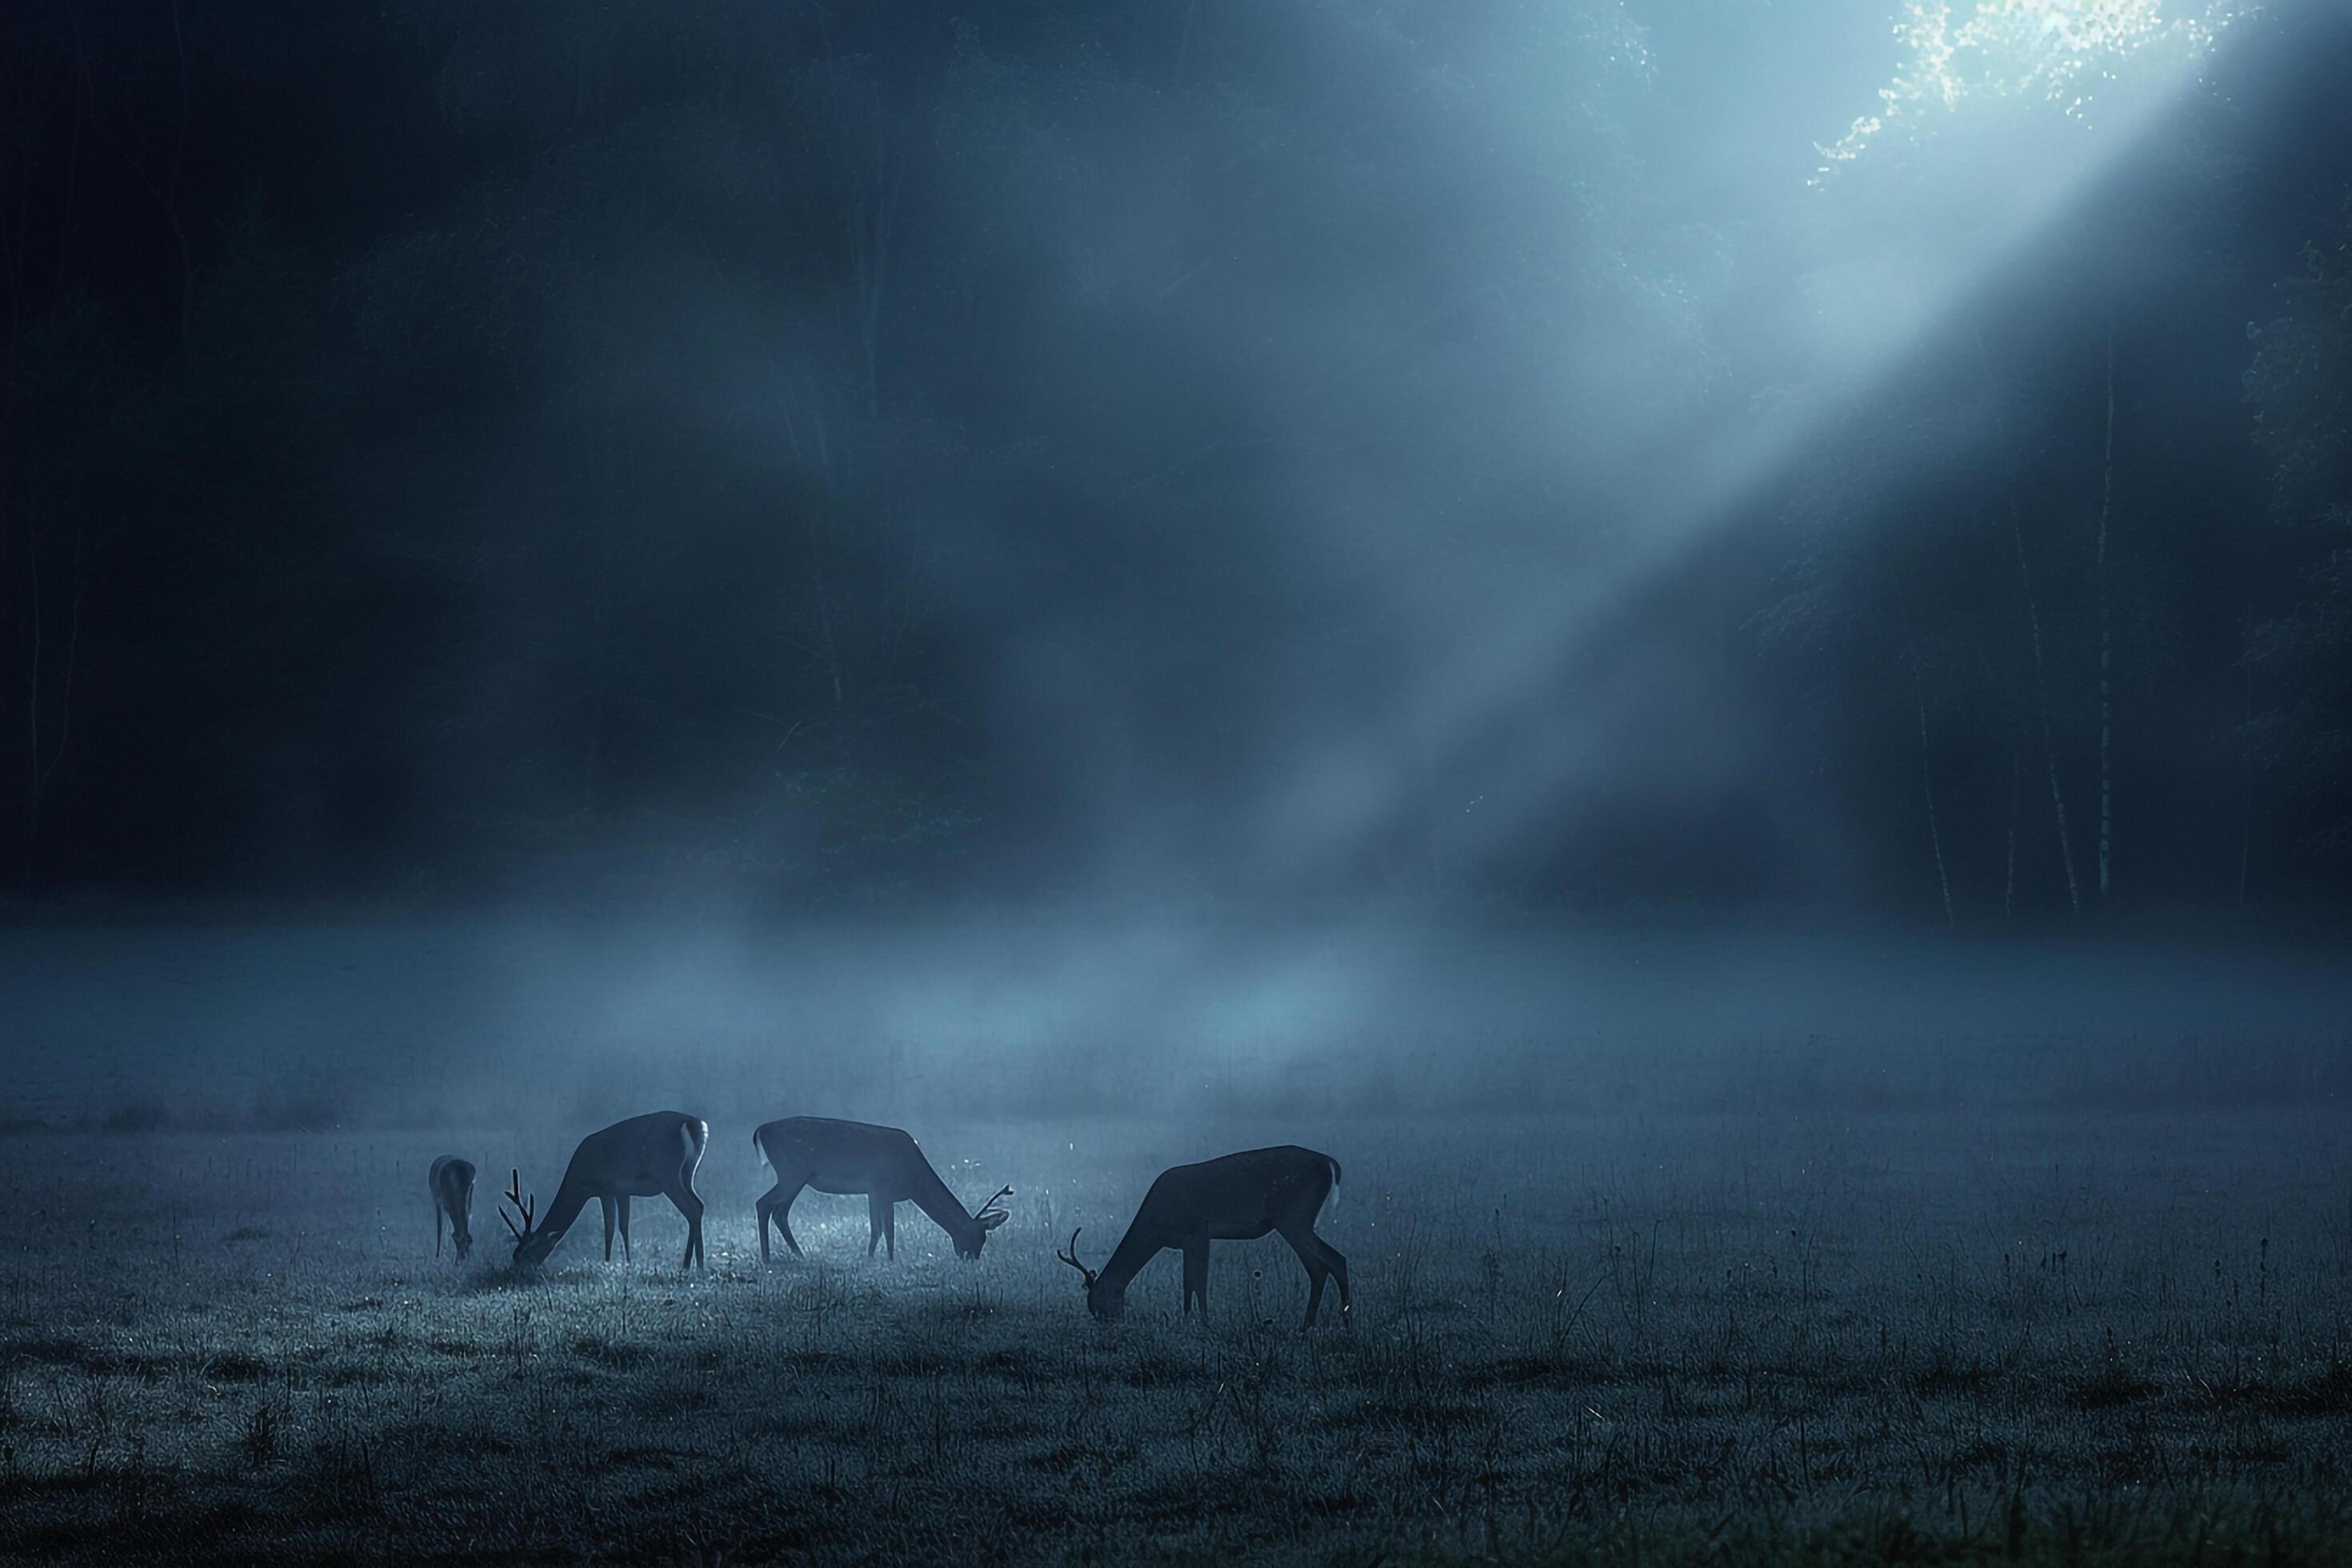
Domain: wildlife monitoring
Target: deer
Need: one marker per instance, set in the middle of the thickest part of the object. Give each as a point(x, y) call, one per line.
point(640, 1157)
point(451, 1183)
point(1237, 1197)
point(853, 1158)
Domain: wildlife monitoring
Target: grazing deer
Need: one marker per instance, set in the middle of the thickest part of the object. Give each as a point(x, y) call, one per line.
point(632, 1159)
point(1237, 1198)
point(451, 1182)
point(851, 1158)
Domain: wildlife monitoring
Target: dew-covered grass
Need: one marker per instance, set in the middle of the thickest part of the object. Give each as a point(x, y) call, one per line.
point(1727, 1337)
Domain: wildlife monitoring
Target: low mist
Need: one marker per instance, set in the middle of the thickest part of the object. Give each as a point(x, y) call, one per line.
point(495, 1023)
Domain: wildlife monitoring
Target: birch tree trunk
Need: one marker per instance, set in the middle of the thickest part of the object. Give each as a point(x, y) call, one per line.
point(1926, 770)
point(2042, 706)
point(2246, 758)
point(2040, 681)
point(2106, 638)
point(819, 522)
point(2008, 882)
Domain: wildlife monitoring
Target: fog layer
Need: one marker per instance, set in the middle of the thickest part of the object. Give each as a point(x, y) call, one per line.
point(483, 1023)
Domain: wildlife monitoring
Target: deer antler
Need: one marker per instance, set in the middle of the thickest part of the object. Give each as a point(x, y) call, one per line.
point(527, 1207)
point(1071, 1258)
point(1000, 1193)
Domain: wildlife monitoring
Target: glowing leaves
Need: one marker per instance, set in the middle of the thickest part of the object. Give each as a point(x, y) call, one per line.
point(2069, 53)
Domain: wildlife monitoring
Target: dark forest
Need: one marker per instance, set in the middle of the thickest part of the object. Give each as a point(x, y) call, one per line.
point(1162, 451)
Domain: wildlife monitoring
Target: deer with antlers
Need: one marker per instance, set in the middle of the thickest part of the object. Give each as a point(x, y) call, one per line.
point(1239, 1198)
point(642, 1157)
point(451, 1183)
point(881, 1163)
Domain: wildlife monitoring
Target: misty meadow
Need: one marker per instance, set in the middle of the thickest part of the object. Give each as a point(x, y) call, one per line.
point(1681, 665)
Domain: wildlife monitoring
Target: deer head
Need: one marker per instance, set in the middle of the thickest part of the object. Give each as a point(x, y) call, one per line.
point(970, 1239)
point(530, 1247)
point(1102, 1301)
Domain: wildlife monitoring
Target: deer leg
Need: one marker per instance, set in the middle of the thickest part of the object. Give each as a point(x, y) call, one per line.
point(1196, 1277)
point(774, 1204)
point(607, 1205)
point(690, 1206)
point(436, 1227)
point(782, 1210)
point(873, 1222)
point(1337, 1262)
point(622, 1204)
point(1321, 1260)
point(890, 1231)
point(1310, 1256)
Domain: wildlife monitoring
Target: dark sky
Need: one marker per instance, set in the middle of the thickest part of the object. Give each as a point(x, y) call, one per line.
point(1449, 455)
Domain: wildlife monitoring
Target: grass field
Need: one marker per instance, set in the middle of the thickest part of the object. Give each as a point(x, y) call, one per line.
point(2118, 1338)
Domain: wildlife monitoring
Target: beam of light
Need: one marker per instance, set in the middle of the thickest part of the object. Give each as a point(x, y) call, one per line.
point(1333, 796)
point(1334, 792)
point(1869, 315)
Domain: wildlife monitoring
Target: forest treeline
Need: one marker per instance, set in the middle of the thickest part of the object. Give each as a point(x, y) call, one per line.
point(453, 449)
